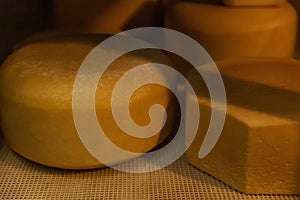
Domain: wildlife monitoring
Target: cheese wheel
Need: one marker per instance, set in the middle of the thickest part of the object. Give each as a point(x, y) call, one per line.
point(105, 16)
point(236, 32)
point(253, 2)
point(258, 150)
point(36, 93)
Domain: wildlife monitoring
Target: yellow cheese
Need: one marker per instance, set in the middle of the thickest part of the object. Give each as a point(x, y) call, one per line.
point(36, 93)
point(232, 32)
point(258, 150)
point(253, 2)
point(105, 16)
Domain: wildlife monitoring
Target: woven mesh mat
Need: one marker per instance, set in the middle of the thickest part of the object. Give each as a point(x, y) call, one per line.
point(23, 179)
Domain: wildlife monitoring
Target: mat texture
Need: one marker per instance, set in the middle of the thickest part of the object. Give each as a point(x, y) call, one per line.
point(23, 179)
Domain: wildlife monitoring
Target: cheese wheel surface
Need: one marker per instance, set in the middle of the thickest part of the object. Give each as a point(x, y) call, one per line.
point(36, 93)
point(237, 32)
point(258, 150)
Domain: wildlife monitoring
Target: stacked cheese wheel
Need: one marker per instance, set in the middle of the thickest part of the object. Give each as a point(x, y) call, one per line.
point(37, 84)
point(230, 31)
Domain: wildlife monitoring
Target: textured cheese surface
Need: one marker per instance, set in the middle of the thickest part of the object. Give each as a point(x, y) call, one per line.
point(258, 149)
point(253, 2)
point(225, 31)
point(37, 82)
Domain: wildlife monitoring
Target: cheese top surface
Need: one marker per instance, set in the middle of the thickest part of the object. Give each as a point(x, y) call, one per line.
point(42, 74)
point(264, 89)
point(228, 19)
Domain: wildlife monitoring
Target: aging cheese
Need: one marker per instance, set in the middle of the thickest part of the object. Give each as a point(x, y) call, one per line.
point(105, 16)
point(253, 2)
point(36, 93)
point(258, 150)
point(232, 32)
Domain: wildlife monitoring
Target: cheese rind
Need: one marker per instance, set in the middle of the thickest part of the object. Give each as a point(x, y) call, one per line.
point(258, 150)
point(36, 94)
point(235, 32)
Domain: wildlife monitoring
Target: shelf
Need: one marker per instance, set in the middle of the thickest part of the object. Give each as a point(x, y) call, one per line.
point(23, 179)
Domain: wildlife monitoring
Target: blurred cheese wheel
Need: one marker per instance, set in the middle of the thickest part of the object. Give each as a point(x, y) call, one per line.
point(37, 83)
point(105, 16)
point(253, 2)
point(231, 32)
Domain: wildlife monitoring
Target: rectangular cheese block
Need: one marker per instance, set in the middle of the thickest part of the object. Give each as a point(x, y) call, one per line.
point(254, 157)
point(258, 151)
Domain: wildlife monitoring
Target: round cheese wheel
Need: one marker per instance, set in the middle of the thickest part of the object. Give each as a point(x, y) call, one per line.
point(36, 93)
point(232, 32)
